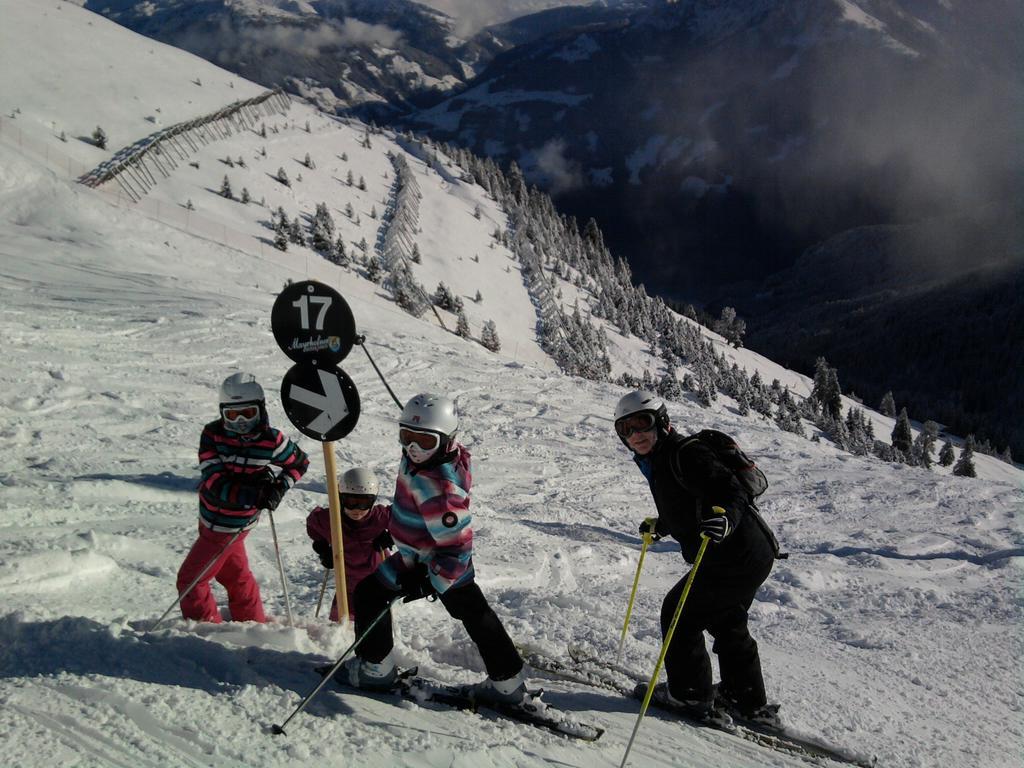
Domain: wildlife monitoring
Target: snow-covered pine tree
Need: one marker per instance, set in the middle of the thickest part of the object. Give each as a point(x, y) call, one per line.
point(902, 437)
point(282, 177)
point(415, 255)
point(374, 270)
point(225, 189)
point(339, 255)
point(462, 326)
point(888, 405)
point(443, 297)
point(479, 297)
point(323, 229)
point(308, 162)
point(362, 183)
point(281, 233)
point(826, 389)
point(489, 336)
point(946, 454)
point(965, 464)
point(245, 196)
point(99, 138)
point(295, 233)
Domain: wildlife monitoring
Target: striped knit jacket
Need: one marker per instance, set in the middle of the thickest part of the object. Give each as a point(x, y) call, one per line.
point(431, 522)
point(234, 467)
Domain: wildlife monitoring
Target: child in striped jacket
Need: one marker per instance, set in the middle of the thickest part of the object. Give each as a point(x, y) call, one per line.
point(236, 453)
point(432, 531)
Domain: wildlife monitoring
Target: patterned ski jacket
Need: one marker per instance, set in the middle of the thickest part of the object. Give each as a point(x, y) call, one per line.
point(234, 467)
point(431, 522)
point(361, 558)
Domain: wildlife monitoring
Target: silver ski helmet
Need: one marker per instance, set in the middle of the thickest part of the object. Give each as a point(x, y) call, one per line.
point(642, 401)
point(358, 482)
point(240, 392)
point(431, 413)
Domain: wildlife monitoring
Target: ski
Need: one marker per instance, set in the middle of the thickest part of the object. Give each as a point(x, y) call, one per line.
point(587, 669)
point(534, 711)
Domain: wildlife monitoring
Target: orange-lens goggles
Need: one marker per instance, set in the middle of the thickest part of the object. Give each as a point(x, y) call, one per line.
point(243, 412)
point(636, 422)
point(353, 501)
point(428, 441)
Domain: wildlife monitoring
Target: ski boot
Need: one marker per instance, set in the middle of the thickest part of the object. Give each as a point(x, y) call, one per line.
point(765, 715)
point(704, 712)
point(368, 675)
point(508, 692)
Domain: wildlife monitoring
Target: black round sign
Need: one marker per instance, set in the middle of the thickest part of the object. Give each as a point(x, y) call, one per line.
point(321, 401)
point(312, 323)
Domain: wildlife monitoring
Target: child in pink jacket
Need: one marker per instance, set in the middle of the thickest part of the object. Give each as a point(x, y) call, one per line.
point(364, 529)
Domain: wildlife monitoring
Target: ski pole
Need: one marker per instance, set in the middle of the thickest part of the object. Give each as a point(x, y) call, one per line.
point(196, 580)
point(361, 341)
point(279, 729)
point(280, 569)
point(323, 588)
point(668, 639)
point(647, 537)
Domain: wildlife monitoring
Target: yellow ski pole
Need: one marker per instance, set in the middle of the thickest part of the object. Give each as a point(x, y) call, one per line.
point(668, 639)
point(648, 538)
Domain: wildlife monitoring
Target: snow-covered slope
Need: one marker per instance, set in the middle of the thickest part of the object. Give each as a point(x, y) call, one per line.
point(892, 628)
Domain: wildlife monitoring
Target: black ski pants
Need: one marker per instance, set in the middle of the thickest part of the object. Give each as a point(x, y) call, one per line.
point(465, 603)
point(718, 603)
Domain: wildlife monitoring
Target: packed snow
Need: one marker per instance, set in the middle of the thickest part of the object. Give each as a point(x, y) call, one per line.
point(893, 629)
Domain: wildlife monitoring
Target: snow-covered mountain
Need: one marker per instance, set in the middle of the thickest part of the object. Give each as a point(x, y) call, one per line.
point(362, 56)
point(888, 629)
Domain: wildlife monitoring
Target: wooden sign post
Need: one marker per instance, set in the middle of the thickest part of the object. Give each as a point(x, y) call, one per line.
point(314, 326)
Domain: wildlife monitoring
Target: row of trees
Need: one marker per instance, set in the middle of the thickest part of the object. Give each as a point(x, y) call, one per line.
point(550, 245)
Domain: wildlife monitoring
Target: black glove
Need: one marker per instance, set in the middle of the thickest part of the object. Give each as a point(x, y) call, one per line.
point(271, 494)
point(650, 526)
point(324, 551)
point(415, 583)
point(383, 541)
point(714, 524)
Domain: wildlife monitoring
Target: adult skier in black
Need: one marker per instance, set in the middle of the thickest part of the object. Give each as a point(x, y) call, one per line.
point(687, 479)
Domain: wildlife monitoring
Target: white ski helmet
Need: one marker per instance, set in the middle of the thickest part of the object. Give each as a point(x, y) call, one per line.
point(431, 413)
point(642, 401)
point(240, 390)
point(358, 482)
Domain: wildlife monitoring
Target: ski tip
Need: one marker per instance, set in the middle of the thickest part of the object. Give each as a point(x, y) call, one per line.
point(277, 730)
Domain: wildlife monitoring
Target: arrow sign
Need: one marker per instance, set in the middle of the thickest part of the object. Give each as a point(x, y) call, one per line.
point(322, 402)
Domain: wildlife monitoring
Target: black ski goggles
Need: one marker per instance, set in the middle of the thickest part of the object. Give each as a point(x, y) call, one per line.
point(627, 426)
point(357, 501)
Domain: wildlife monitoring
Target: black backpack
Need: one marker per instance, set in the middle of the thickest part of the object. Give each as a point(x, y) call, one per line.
point(745, 470)
point(732, 456)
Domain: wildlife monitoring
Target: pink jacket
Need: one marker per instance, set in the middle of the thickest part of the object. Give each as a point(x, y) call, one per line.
point(361, 559)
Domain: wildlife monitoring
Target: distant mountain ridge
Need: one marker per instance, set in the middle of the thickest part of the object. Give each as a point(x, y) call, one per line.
point(375, 57)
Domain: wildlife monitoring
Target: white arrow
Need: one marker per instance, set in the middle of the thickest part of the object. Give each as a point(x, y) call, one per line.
point(331, 402)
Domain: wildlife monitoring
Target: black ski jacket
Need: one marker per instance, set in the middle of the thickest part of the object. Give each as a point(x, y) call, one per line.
point(686, 479)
